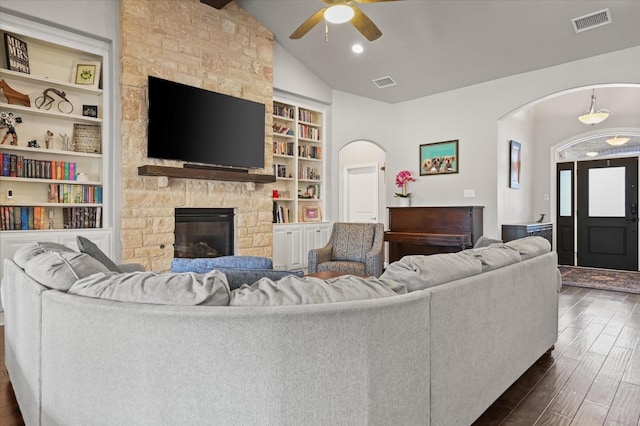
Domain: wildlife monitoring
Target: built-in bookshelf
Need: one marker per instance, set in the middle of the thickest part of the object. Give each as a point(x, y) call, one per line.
point(54, 173)
point(298, 163)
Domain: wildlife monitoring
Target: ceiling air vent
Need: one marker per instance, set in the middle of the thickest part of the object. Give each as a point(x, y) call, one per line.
point(383, 82)
point(591, 21)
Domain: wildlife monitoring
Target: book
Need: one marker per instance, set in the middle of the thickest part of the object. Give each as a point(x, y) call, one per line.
point(17, 217)
point(13, 166)
point(37, 217)
point(24, 218)
point(6, 164)
point(12, 221)
point(30, 219)
point(17, 54)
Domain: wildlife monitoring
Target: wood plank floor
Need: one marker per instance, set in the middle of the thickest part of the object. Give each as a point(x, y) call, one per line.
point(592, 377)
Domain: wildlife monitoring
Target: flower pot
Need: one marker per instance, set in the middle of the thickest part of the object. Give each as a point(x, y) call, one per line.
point(404, 201)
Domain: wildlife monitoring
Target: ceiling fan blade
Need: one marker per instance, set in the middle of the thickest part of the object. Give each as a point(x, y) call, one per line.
point(308, 24)
point(365, 25)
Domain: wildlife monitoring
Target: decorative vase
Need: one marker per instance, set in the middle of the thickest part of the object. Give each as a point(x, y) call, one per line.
point(404, 201)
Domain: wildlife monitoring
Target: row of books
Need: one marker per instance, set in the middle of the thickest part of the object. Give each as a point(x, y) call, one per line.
point(18, 166)
point(283, 111)
point(281, 213)
point(307, 172)
point(82, 217)
point(312, 192)
point(67, 193)
point(304, 115)
point(23, 218)
point(308, 132)
point(280, 170)
point(283, 148)
point(280, 129)
point(310, 151)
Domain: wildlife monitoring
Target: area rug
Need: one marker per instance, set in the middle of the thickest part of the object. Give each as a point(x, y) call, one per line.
point(603, 279)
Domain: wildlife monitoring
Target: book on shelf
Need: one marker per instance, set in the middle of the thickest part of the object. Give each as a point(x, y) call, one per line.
point(281, 213)
point(81, 217)
point(283, 111)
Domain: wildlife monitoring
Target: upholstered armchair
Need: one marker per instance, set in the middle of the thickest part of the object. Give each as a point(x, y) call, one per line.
point(354, 248)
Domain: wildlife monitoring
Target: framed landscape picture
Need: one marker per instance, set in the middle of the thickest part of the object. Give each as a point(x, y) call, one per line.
point(439, 158)
point(86, 73)
point(514, 164)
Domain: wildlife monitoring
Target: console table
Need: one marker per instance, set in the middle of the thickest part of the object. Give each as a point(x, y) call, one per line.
point(430, 230)
point(521, 230)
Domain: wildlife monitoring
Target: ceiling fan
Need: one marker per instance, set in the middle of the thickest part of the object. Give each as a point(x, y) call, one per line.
point(352, 13)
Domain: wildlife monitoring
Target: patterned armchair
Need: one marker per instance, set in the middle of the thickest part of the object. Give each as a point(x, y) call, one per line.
point(354, 248)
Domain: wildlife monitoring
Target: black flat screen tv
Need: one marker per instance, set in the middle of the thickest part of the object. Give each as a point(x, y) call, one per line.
point(200, 126)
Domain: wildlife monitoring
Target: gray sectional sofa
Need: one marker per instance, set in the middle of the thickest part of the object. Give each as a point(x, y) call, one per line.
point(434, 341)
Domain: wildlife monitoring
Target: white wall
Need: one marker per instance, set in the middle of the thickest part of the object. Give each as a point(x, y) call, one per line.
point(470, 114)
point(290, 76)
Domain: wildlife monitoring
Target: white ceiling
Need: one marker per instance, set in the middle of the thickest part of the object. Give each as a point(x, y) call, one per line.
point(431, 46)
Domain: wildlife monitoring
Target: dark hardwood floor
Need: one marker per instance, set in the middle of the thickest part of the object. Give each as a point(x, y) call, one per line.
point(592, 377)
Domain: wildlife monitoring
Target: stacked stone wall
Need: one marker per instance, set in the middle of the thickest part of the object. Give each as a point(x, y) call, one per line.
point(226, 51)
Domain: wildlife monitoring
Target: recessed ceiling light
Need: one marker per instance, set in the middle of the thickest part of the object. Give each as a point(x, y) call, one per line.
point(591, 154)
point(357, 48)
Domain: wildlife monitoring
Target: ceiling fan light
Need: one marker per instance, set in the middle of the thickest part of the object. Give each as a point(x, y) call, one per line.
point(591, 154)
point(338, 14)
point(618, 140)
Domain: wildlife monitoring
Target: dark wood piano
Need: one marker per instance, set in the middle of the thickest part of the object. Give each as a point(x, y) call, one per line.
point(430, 230)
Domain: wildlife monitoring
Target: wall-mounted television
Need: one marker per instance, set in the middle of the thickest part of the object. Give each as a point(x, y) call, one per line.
point(200, 126)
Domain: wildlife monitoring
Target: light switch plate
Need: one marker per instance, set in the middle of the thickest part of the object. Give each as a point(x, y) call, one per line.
point(469, 193)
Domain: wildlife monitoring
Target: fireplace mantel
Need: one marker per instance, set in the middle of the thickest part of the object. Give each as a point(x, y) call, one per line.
point(187, 173)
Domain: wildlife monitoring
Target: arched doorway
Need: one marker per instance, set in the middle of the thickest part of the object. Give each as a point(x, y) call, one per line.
point(361, 182)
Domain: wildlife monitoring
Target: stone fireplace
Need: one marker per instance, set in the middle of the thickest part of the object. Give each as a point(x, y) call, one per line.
point(203, 232)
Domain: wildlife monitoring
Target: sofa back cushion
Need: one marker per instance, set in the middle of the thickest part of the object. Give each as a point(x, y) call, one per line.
point(352, 241)
point(186, 289)
point(418, 272)
point(529, 247)
point(494, 257)
point(56, 266)
point(293, 290)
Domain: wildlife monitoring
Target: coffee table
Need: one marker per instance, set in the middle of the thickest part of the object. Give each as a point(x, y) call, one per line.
point(325, 275)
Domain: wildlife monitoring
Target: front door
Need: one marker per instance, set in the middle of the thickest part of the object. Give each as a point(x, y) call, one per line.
point(607, 200)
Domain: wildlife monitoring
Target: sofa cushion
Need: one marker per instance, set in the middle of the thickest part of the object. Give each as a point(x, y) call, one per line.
point(418, 272)
point(56, 266)
point(529, 247)
point(294, 290)
point(494, 257)
point(353, 268)
point(89, 247)
point(485, 242)
point(156, 288)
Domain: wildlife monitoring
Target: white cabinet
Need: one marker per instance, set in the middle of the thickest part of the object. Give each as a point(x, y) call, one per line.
point(287, 248)
point(291, 243)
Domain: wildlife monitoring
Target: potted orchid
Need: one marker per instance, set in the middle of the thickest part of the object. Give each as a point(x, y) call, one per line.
point(402, 179)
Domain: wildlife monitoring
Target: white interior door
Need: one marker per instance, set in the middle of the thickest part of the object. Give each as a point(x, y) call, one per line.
point(361, 193)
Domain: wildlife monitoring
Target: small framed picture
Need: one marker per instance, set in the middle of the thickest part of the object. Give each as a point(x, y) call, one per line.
point(90, 111)
point(439, 158)
point(311, 214)
point(86, 73)
point(17, 54)
point(515, 162)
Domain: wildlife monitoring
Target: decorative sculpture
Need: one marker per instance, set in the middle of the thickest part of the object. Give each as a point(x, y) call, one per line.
point(45, 101)
point(65, 142)
point(13, 96)
point(33, 144)
point(9, 120)
point(47, 138)
point(541, 218)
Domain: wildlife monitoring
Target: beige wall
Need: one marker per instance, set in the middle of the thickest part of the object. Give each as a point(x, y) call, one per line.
point(226, 51)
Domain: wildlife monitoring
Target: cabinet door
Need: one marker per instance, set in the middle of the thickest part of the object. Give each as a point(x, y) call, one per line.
point(280, 248)
point(323, 234)
point(295, 252)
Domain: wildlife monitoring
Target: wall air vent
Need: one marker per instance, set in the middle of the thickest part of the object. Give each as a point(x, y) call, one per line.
point(591, 21)
point(383, 82)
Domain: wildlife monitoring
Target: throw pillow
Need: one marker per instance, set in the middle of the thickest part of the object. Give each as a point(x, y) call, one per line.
point(293, 290)
point(56, 266)
point(89, 247)
point(529, 247)
point(185, 289)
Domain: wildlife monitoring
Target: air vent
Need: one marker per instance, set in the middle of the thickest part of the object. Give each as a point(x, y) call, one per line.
point(591, 21)
point(383, 82)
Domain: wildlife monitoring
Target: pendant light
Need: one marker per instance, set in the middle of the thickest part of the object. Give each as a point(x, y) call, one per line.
point(593, 116)
point(618, 140)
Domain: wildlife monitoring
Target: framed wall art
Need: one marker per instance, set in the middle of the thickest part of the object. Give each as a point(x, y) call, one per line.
point(514, 164)
point(17, 54)
point(439, 158)
point(311, 214)
point(86, 73)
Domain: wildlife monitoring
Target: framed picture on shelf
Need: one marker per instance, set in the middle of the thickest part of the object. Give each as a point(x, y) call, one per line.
point(90, 111)
point(514, 164)
point(17, 55)
point(86, 73)
point(439, 158)
point(311, 214)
